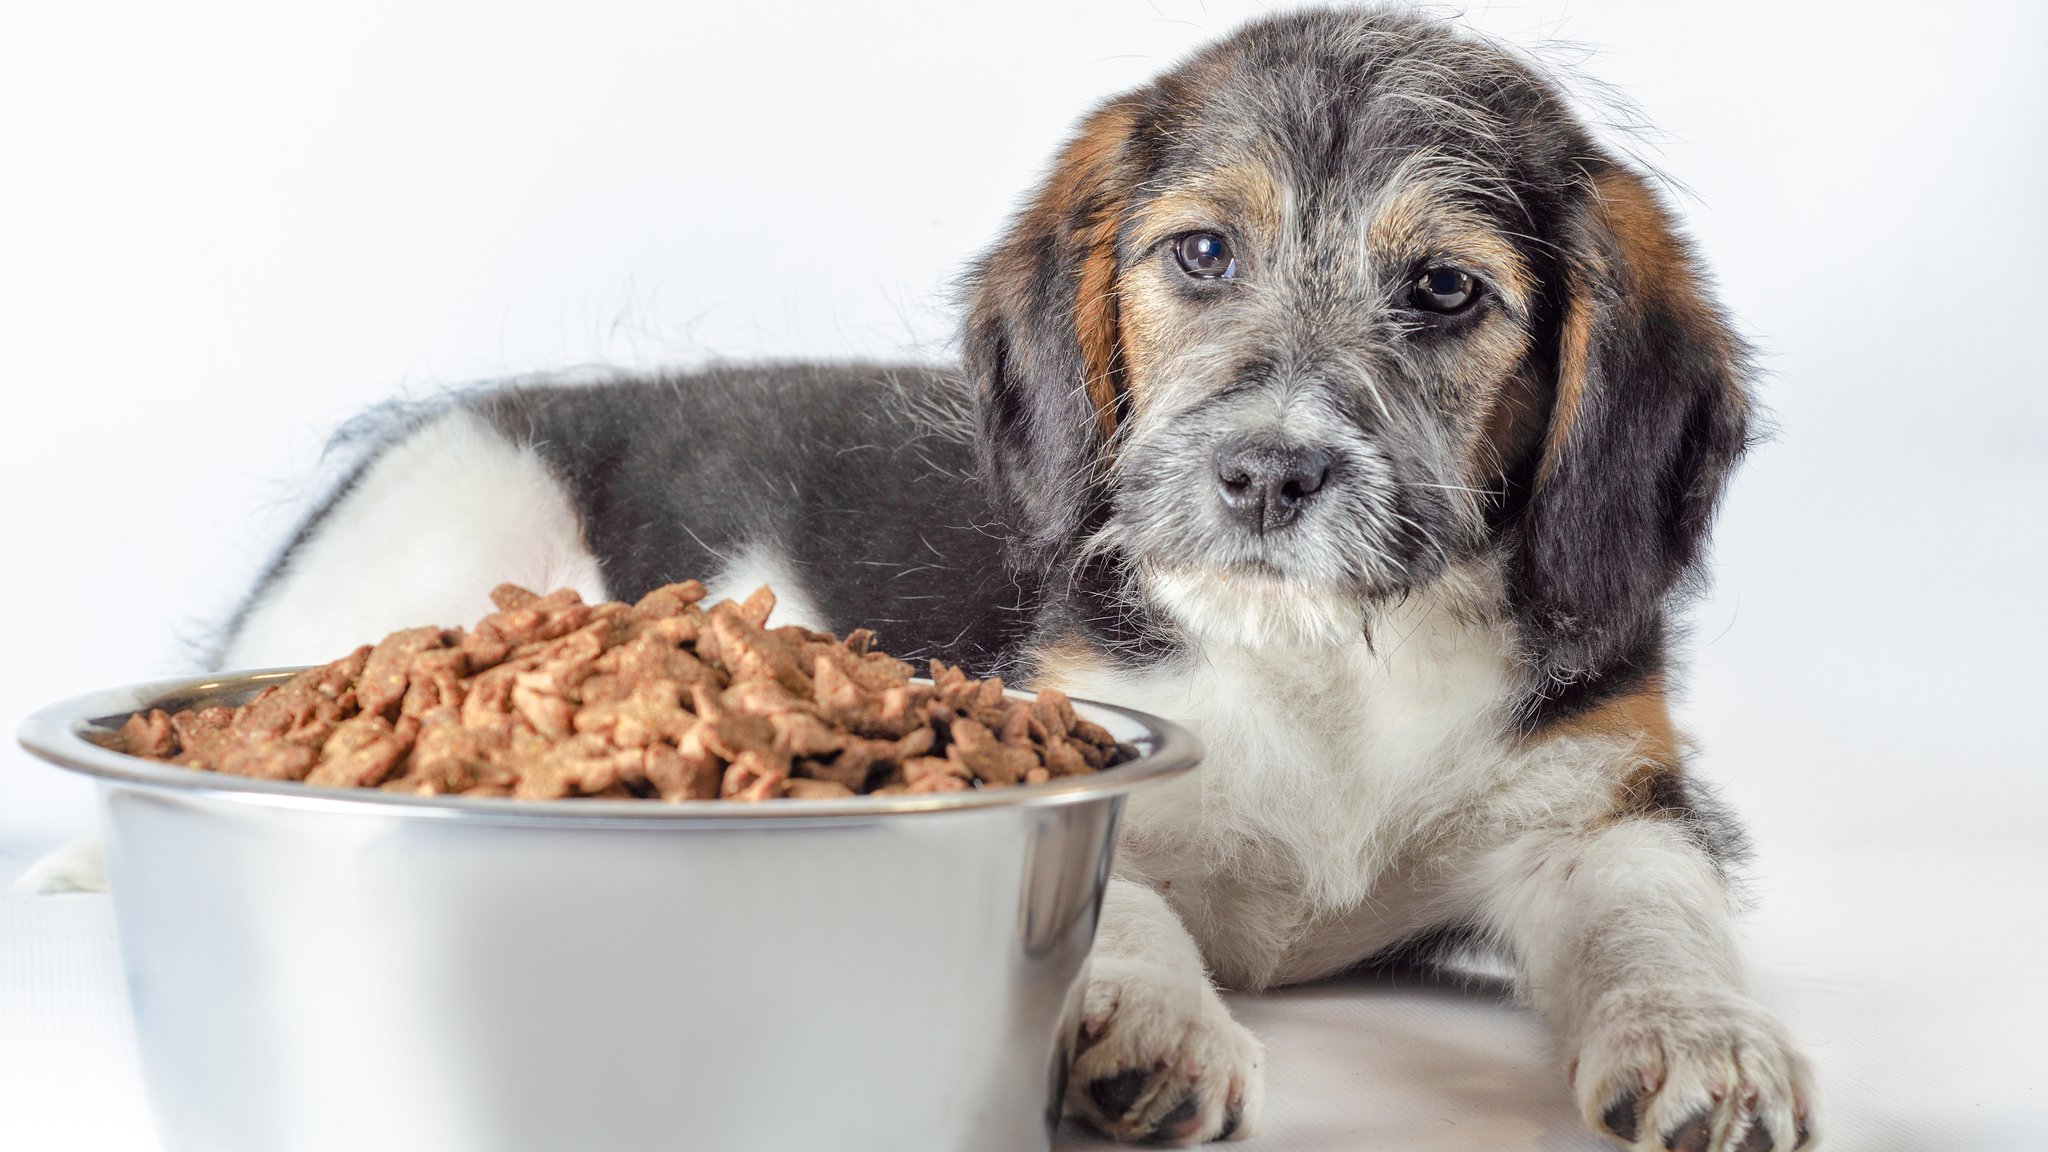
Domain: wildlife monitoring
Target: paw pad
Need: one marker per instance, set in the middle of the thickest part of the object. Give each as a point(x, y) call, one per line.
point(1179, 1122)
point(1694, 1134)
point(1116, 1095)
point(1620, 1117)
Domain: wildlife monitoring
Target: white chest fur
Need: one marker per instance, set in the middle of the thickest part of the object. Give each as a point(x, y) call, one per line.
point(1329, 767)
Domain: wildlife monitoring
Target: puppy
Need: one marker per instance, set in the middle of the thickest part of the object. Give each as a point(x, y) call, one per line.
point(1336, 394)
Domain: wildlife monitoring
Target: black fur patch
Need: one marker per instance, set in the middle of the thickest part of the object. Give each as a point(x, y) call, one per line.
point(1622, 673)
point(1425, 951)
point(1618, 526)
point(1707, 820)
point(862, 478)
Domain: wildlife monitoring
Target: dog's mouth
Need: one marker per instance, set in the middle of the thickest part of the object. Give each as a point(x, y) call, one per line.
point(1359, 556)
point(1257, 604)
point(1313, 583)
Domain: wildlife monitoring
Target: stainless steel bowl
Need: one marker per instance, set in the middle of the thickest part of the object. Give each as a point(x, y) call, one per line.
point(319, 969)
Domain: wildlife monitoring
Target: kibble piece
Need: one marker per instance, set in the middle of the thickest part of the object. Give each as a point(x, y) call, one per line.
point(1093, 733)
point(449, 757)
point(204, 737)
point(919, 769)
point(1053, 710)
point(388, 671)
point(304, 709)
point(883, 715)
point(1061, 759)
point(754, 776)
point(988, 759)
point(434, 680)
point(677, 776)
point(670, 600)
point(801, 734)
point(362, 751)
point(146, 734)
point(758, 605)
point(653, 713)
point(796, 789)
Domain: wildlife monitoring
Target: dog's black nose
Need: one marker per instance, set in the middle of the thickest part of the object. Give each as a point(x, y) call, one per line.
point(1266, 487)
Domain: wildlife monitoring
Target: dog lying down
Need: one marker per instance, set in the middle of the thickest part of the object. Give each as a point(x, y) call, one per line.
point(1337, 394)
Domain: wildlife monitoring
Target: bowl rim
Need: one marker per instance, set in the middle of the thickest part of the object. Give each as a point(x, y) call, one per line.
point(59, 732)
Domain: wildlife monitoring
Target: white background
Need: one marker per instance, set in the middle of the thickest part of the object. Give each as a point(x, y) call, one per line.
point(223, 229)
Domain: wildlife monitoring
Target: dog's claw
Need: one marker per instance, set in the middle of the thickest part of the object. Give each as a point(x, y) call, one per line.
point(1174, 1125)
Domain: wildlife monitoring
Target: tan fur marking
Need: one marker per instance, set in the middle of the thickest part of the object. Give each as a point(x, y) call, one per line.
point(1084, 172)
point(1077, 207)
point(1640, 721)
point(1060, 662)
point(1649, 263)
point(1655, 264)
point(1575, 336)
point(1652, 259)
point(1097, 320)
point(1241, 198)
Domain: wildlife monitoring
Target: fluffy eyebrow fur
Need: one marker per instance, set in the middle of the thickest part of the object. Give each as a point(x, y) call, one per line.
point(1424, 214)
point(1239, 195)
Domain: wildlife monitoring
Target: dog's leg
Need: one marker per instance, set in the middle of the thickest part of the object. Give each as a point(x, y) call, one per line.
point(1623, 938)
point(1157, 1057)
point(78, 866)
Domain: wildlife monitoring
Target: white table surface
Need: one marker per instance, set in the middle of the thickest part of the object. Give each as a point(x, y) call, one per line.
point(1913, 977)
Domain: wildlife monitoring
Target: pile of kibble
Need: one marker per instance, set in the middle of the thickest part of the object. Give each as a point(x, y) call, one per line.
point(549, 697)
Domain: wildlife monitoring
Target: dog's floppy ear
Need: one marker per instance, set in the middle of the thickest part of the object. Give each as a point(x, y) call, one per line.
point(1041, 341)
point(1650, 413)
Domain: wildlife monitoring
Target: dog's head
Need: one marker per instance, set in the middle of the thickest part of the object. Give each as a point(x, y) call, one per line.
point(1344, 299)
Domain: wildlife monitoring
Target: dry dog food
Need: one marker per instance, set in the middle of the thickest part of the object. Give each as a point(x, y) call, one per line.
point(549, 697)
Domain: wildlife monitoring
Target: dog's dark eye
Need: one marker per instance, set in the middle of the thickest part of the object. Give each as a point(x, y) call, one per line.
point(1205, 256)
point(1441, 289)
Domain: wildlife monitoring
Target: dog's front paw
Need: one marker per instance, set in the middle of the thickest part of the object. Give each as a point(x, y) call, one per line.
point(1689, 1070)
point(1157, 1058)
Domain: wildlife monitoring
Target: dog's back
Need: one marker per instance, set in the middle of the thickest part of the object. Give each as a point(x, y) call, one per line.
point(849, 488)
